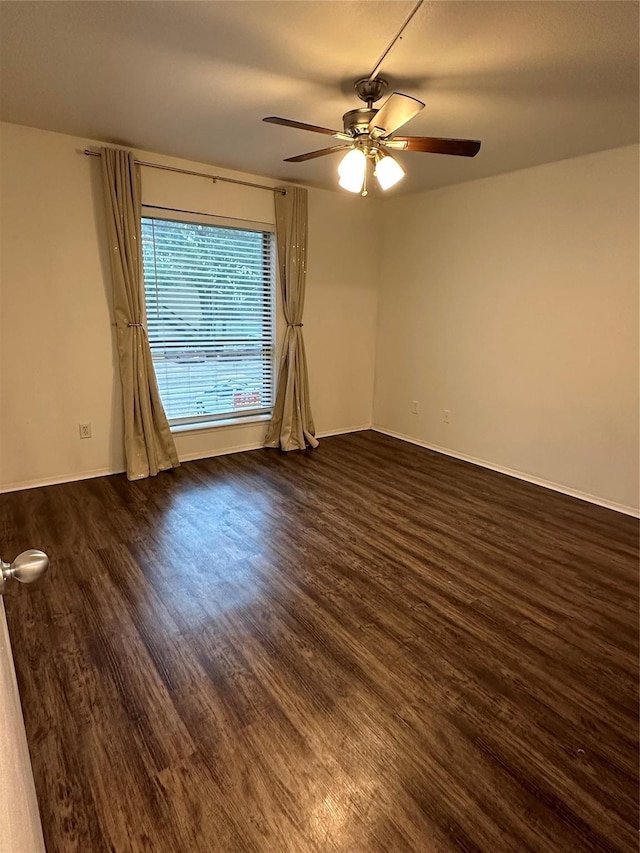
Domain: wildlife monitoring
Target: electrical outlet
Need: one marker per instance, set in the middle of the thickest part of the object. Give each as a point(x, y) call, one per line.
point(415, 407)
point(446, 416)
point(85, 430)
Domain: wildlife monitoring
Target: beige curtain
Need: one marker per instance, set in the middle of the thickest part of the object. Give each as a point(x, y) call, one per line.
point(291, 426)
point(148, 443)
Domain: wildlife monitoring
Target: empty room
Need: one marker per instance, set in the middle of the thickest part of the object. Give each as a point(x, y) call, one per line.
point(319, 426)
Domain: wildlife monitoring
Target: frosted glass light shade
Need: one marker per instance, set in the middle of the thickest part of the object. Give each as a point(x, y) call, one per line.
point(388, 171)
point(352, 170)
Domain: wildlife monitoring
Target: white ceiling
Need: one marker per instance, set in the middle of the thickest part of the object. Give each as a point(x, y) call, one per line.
point(535, 81)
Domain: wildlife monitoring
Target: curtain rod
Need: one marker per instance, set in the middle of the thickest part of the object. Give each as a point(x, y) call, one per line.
point(202, 213)
point(213, 178)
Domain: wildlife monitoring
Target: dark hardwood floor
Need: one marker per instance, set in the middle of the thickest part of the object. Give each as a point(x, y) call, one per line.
point(368, 648)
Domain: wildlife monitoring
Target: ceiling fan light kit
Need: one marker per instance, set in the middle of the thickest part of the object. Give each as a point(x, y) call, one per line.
point(352, 170)
point(368, 134)
point(388, 171)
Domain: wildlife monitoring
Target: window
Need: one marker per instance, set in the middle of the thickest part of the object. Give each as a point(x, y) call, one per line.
point(210, 315)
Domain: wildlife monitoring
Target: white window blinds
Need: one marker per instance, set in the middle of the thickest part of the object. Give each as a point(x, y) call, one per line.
point(210, 317)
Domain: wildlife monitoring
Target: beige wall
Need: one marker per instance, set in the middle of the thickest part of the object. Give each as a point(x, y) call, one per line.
point(57, 365)
point(513, 303)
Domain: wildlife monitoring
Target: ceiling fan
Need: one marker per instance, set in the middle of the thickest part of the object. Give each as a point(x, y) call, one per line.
point(368, 137)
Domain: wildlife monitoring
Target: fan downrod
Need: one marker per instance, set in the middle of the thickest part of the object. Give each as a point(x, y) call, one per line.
point(370, 91)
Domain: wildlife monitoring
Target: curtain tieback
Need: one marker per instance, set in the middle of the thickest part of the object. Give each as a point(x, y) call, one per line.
point(135, 325)
point(295, 325)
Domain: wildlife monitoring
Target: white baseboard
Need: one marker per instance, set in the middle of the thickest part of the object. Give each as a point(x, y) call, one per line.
point(223, 451)
point(328, 433)
point(58, 479)
point(184, 457)
point(510, 472)
point(240, 448)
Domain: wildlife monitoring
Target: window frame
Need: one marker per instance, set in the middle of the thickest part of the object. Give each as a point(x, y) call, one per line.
point(228, 418)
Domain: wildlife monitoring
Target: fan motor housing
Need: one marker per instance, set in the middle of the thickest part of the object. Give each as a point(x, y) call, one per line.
point(356, 122)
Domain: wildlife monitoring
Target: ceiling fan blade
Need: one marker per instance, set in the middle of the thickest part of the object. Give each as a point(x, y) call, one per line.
point(287, 122)
point(396, 111)
point(310, 156)
point(434, 145)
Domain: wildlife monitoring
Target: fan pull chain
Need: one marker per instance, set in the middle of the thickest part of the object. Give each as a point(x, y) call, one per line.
point(374, 73)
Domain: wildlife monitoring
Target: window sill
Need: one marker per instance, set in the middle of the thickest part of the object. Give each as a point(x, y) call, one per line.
point(227, 423)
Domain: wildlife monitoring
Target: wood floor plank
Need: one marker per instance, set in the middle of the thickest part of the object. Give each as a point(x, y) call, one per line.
point(368, 648)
